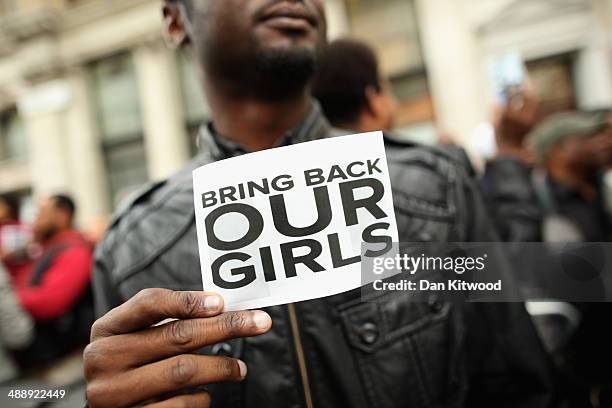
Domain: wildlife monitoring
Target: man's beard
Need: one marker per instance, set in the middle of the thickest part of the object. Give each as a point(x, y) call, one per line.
point(265, 74)
point(280, 74)
point(44, 235)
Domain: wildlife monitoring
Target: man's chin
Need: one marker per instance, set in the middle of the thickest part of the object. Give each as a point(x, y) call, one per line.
point(283, 70)
point(292, 58)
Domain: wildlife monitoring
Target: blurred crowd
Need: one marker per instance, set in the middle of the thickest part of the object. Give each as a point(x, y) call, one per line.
point(46, 306)
point(550, 181)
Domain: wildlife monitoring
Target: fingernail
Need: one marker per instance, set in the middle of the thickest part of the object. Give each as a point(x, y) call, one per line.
point(243, 369)
point(262, 320)
point(212, 302)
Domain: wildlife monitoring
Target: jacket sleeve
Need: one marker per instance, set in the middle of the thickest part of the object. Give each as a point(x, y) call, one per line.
point(62, 285)
point(512, 201)
point(106, 295)
point(506, 360)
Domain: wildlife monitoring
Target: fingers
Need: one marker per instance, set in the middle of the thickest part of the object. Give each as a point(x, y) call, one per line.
point(201, 400)
point(170, 339)
point(164, 377)
point(151, 306)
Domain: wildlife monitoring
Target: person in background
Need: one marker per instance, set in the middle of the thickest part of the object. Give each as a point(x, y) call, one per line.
point(575, 153)
point(352, 92)
point(55, 288)
point(9, 210)
point(355, 97)
point(548, 184)
point(575, 150)
point(14, 236)
point(554, 171)
point(506, 183)
point(16, 327)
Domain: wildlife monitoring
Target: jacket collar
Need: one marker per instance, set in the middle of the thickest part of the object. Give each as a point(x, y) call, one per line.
point(313, 126)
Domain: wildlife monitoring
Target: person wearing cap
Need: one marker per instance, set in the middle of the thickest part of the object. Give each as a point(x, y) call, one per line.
point(547, 185)
point(575, 151)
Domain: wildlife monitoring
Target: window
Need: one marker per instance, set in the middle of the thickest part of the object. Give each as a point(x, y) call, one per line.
point(13, 138)
point(397, 40)
point(398, 47)
point(553, 80)
point(196, 107)
point(118, 107)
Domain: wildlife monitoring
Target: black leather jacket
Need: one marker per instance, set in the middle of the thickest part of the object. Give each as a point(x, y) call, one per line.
point(389, 354)
point(512, 201)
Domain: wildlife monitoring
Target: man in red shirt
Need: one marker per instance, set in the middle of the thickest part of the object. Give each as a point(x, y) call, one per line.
point(54, 289)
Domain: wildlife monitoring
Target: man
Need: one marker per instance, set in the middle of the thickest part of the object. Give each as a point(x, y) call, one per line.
point(351, 90)
point(573, 154)
point(355, 97)
point(54, 288)
point(556, 171)
point(256, 59)
point(506, 184)
point(575, 150)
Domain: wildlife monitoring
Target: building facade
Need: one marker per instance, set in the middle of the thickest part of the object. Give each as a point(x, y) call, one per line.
point(93, 103)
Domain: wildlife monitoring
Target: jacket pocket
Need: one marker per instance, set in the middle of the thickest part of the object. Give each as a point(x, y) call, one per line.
point(408, 354)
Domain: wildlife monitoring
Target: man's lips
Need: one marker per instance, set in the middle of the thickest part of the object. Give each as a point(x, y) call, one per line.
point(289, 16)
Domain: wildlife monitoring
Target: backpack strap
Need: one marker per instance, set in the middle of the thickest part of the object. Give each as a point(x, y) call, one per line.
point(42, 266)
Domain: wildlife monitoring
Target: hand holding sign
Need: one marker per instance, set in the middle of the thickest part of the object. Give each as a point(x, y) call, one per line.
point(130, 363)
point(287, 224)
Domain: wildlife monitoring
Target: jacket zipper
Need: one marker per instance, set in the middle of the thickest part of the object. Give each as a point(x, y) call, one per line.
point(299, 351)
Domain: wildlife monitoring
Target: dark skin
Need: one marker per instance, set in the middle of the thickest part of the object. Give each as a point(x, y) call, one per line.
point(130, 361)
point(513, 123)
point(576, 162)
point(50, 221)
point(573, 163)
point(254, 121)
point(378, 112)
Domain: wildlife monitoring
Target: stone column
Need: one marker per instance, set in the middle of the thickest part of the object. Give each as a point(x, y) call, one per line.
point(162, 107)
point(455, 71)
point(593, 73)
point(65, 149)
point(43, 108)
point(89, 183)
point(337, 19)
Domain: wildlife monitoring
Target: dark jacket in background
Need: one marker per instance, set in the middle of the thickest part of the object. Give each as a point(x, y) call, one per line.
point(512, 201)
point(520, 204)
point(388, 354)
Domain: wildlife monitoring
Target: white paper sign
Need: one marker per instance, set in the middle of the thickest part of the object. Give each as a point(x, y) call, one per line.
point(286, 225)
